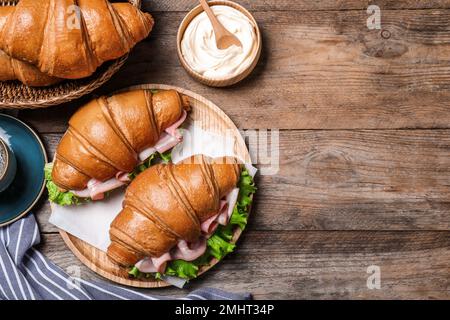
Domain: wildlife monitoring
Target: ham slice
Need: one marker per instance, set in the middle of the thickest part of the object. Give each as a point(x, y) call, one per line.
point(98, 188)
point(161, 262)
point(210, 225)
point(123, 177)
point(231, 199)
point(187, 252)
point(152, 265)
point(172, 130)
point(169, 139)
point(182, 251)
point(86, 193)
point(166, 142)
point(223, 213)
point(144, 155)
point(146, 265)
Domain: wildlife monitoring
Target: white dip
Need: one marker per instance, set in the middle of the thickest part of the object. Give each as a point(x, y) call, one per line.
point(199, 44)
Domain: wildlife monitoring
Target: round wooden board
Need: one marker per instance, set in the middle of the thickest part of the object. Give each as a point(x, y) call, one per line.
point(210, 118)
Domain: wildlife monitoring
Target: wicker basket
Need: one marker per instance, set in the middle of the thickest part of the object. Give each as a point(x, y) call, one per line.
point(15, 95)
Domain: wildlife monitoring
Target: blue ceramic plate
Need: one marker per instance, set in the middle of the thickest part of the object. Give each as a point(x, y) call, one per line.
point(28, 184)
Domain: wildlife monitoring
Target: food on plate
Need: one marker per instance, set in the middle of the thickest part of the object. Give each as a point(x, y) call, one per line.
point(110, 138)
point(177, 217)
point(66, 39)
point(200, 51)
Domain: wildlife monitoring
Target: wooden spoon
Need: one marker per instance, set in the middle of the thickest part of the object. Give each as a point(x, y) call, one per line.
point(224, 38)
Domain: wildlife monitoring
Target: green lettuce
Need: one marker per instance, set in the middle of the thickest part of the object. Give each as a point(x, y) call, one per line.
point(219, 247)
point(157, 157)
point(220, 243)
point(55, 194)
point(182, 269)
point(166, 157)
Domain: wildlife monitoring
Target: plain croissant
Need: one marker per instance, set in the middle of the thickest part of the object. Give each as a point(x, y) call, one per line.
point(168, 203)
point(70, 39)
point(106, 135)
point(13, 69)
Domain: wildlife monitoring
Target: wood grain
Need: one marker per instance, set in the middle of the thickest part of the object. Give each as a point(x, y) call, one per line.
point(303, 5)
point(318, 224)
point(319, 70)
point(315, 264)
point(351, 180)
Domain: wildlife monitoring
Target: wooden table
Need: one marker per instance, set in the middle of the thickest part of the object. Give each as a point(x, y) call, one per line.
point(364, 120)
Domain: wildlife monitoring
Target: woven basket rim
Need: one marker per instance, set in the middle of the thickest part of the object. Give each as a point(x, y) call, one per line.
point(15, 95)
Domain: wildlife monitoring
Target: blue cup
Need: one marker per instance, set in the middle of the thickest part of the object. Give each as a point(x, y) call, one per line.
point(8, 165)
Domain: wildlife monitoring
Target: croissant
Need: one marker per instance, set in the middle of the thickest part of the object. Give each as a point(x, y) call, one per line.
point(168, 203)
point(107, 135)
point(70, 39)
point(13, 69)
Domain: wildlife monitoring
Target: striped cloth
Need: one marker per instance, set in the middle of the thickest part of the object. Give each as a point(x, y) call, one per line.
point(25, 274)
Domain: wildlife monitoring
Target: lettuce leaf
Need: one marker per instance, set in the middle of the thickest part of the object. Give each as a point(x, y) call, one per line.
point(165, 157)
point(239, 217)
point(54, 194)
point(220, 243)
point(225, 232)
point(143, 166)
point(182, 269)
point(134, 272)
point(219, 247)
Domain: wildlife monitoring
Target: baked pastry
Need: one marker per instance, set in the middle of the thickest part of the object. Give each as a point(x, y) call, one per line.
point(13, 69)
point(169, 211)
point(69, 39)
point(108, 137)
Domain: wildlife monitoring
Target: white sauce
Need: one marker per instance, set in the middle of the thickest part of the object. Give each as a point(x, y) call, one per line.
point(199, 44)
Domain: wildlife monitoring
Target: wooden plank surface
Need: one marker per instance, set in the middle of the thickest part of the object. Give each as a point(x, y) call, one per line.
point(315, 264)
point(303, 5)
point(364, 148)
point(319, 70)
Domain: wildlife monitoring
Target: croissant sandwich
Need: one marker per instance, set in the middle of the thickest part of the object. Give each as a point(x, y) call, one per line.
point(171, 216)
point(49, 40)
point(110, 138)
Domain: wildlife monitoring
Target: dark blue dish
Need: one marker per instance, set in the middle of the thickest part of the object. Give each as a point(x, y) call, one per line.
point(28, 184)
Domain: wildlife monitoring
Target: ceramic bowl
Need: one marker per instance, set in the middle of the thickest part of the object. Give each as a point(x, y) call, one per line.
point(217, 82)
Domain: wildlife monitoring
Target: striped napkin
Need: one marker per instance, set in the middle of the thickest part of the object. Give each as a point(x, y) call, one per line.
point(25, 274)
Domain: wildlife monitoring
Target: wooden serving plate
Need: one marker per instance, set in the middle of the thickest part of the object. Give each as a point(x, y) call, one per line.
point(210, 118)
